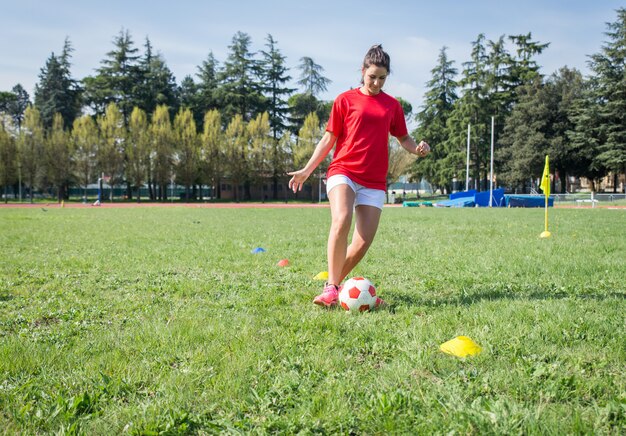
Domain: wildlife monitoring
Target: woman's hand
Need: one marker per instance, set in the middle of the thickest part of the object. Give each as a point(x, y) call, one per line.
point(297, 180)
point(422, 149)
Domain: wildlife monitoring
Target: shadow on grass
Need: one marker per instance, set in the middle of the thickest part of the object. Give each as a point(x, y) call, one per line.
point(5, 297)
point(470, 299)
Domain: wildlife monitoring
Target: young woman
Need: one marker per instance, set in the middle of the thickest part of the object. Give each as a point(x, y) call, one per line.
point(359, 126)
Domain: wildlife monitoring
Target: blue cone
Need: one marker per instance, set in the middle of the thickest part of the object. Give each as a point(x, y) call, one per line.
point(258, 250)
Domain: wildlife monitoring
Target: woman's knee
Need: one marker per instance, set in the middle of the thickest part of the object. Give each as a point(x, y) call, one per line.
point(341, 222)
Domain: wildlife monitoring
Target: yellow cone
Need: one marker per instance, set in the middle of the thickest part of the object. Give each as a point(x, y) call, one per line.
point(461, 346)
point(321, 276)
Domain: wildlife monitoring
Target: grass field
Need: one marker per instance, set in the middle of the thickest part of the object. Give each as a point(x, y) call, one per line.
point(161, 321)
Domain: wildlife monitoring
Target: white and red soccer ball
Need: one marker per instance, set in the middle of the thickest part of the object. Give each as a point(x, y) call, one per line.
point(358, 295)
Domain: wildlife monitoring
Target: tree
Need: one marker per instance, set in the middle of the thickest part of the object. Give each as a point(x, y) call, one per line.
point(524, 69)
point(586, 135)
point(561, 91)
point(432, 119)
point(609, 71)
point(236, 154)
point(156, 83)
point(111, 148)
point(301, 105)
point(17, 106)
point(138, 150)
point(240, 91)
point(311, 78)
point(208, 93)
point(308, 137)
point(212, 151)
point(162, 150)
point(85, 145)
point(274, 74)
point(189, 98)
point(56, 91)
point(525, 137)
point(186, 154)
point(399, 161)
point(31, 149)
point(117, 79)
point(262, 147)
point(58, 152)
point(472, 108)
point(8, 162)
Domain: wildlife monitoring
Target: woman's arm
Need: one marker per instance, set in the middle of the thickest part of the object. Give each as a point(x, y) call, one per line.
point(421, 149)
point(321, 151)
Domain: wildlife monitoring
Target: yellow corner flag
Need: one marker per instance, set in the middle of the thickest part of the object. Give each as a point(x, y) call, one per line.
point(545, 179)
point(545, 187)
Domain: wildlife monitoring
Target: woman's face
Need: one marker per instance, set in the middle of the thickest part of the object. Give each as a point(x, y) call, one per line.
point(373, 79)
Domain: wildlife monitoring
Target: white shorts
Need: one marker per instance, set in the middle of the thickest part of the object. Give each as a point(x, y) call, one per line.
point(364, 196)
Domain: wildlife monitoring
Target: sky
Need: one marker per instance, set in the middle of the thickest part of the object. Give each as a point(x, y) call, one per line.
point(335, 34)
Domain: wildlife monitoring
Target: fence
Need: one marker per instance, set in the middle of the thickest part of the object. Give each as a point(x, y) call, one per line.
point(587, 198)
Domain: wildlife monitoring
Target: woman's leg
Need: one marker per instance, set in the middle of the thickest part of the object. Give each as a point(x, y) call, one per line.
point(367, 219)
point(341, 199)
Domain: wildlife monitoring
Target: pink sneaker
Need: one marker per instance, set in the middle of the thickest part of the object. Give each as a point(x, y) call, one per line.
point(328, 297)
point(380, 303)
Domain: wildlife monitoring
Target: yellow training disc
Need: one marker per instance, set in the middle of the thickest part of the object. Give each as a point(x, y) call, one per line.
point(461, 346)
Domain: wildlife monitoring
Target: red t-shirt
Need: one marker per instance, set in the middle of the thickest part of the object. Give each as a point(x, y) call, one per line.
point(362, 124)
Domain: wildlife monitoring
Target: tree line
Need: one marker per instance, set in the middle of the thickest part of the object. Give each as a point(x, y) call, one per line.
point(579, 121)
point(238, 120)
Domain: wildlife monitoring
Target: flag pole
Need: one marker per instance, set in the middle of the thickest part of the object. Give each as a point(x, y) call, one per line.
point(467, 159)
point(491, 169)
point(546, 233)
point(545, 187)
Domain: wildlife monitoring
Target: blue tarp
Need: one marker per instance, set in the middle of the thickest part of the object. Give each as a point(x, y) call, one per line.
point(473, 198)
point(482, 198)
point(462, 194)
point(458, 202)
point(527, 201)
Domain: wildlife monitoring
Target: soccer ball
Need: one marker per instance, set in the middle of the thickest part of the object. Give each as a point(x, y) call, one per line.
point(357, 295)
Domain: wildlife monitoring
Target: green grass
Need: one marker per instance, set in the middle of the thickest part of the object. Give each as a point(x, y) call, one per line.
point(161, 321)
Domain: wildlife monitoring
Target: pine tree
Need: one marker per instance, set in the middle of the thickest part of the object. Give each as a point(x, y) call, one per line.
point(524, 68)
point(117, 79)
point(311, 78)
point(473, 109)
point(18, 105)
point(156, 83)
point(585, 137)
point(189, 98)
point(240, 91)
point(609, 71)
point(275, 76)
point(561, 91)
point(56, 91)
point(208, 84)
point(539, 125)
point(524, 139)
point(432, 119)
